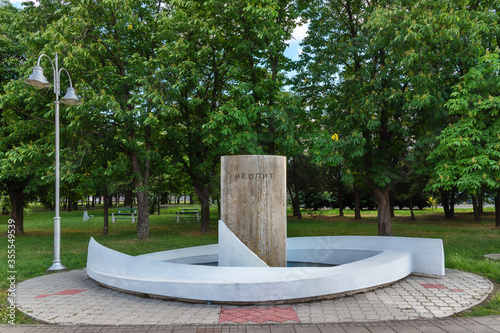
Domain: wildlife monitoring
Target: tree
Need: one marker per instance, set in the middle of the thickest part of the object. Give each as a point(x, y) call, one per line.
point(383, 72)
point(196, 66)
point(24, 129)
point(468, 151)
point(10, 57)
point(350, 79)
point(107, 46)
point(217, 74)
point(450, 43)
point(441, 42)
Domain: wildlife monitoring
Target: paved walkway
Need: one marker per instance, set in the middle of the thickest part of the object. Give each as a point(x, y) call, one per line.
point(447, 325)
point(415, 304)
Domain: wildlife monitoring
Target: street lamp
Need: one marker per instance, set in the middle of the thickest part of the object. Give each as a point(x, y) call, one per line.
point(38, 81)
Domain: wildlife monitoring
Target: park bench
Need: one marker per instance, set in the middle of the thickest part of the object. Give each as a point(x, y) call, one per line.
point(124, 213)
point(188, 213)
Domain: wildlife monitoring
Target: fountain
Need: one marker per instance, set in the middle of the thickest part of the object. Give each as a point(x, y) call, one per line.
point(253, 251)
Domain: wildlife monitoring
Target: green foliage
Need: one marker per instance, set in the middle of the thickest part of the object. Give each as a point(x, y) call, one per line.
point(26, 139)
point(468, 151)
point(10, 49)
point(394, 80)
point(317, 200)
point(174, 85)
point(177, 81)
point(357, 88)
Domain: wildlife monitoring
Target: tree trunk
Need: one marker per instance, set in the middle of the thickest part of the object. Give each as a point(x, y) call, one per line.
point(447, 198)
point(340, 197)
point(159, 203)
point(291, 198)
point(295, 195)
point(296, 207)
point(141, 185)
point(412, 216)
point(383, 210)
point(17, 198)
point(143, 214)
point(452, 202)
point(444, 202)
point(477, 209)
point(105, 227)
point(480, 202)
point(203, 194)
point(391, 204)
point(141, 181)
point(497, 209)
point(129, 199)
point(357, 204)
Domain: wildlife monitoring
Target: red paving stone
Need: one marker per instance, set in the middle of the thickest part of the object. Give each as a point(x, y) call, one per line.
point(64, 292)
point(433, 286)
point(258, 315)
point(457, 290)
point(440, 286)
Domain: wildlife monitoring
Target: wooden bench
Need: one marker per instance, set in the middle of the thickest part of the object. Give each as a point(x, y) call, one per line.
point(193, 213)
point(124, 213)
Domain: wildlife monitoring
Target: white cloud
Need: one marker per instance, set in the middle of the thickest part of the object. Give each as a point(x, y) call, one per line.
point(17, 3)
point(300, 32)
point(294, 50)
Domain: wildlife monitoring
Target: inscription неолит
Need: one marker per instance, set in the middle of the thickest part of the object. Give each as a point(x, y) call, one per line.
point(259, 175)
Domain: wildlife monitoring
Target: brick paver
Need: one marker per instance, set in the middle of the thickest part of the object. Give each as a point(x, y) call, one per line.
point(446, 325)
point(413, 305)
point(73, 298)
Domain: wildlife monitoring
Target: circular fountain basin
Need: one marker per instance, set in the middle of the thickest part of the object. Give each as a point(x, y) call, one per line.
point(360, 263)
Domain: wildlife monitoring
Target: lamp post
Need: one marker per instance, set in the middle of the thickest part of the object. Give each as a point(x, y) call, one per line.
point(38, 81)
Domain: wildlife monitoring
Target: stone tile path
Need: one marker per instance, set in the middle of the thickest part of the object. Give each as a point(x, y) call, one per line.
point(73, 298)
point(447, 325)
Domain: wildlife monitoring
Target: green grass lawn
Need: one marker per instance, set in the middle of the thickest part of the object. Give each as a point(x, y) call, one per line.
point(465, 242)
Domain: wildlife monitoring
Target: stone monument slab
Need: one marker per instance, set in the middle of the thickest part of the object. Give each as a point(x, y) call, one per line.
point(253, 203)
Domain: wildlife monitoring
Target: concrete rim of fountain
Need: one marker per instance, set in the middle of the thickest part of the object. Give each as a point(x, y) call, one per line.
point(363, 263)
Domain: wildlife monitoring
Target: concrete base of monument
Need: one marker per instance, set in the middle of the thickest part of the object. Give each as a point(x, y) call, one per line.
point(358, 263)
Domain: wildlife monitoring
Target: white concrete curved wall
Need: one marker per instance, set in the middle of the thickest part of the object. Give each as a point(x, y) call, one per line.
point(380, 260)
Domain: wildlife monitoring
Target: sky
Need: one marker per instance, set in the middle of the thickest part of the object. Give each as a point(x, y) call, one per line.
point(293, 50)
point(16, 3)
